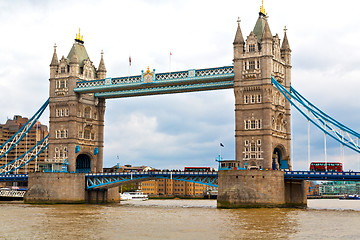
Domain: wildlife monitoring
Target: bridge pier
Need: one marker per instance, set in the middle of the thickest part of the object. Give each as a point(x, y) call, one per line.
point(254, 188)
point(65, 188)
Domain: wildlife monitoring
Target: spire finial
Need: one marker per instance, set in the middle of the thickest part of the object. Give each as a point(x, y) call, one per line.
point(285, 29)
point(238, 20)
point(102, 52)
point(55, 47)
point(262, 10)
point(79, 38)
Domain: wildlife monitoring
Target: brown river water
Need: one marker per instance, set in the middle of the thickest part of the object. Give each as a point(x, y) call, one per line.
point(179, 219)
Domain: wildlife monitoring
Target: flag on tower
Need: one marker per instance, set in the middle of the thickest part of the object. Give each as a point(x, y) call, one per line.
point(129, 60)
point(221, 145)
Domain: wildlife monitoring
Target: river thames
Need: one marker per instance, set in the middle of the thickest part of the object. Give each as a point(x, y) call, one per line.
point(179, 219)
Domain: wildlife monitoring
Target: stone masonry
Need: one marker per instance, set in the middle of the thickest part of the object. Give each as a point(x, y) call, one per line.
point(262, 114)
point(76, 120)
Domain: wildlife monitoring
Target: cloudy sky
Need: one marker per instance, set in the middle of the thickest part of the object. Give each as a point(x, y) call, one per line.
point(173, 131)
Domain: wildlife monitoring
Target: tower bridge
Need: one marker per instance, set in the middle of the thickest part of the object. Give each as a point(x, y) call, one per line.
point(261, 79)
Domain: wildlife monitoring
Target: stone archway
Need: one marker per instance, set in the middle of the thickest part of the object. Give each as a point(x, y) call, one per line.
point(278, 159)
point(83, 163)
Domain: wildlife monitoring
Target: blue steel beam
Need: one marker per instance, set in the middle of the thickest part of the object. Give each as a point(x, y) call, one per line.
point(328, 176)
point(154, 90)
point(14, 178)
point(109, 180)
point(160, 83)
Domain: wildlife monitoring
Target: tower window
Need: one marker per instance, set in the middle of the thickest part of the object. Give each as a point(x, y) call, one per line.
point(252, 98)
point(253, 124)
point(245, 65)
point(259, 98)
point(87, 134)
point(62, 69)
point(252, 65)
point(252, 48)
point(258, 64)
point(87, 112)
point(246, 99)
point(246, 125)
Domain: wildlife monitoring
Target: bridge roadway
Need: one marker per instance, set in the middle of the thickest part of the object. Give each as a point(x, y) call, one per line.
point(108, 180)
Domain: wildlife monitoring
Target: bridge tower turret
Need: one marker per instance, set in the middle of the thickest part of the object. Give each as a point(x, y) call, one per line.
point(262, 114)
point(76, 120)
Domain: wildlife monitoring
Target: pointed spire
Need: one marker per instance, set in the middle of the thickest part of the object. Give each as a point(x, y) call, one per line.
point(74, 58)
point(102, 63)
point(267, 33)
point(238, 37)
point(262, 9)
point(285, 44)
point(54, 60)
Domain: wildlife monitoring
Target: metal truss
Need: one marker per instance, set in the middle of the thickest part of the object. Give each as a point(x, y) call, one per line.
point(166, 89)
point(19, 135)
point(320, 119)
point(163, 83)
point(26, 157)
point(330, 176)
point(14, 177)
point(110, 180)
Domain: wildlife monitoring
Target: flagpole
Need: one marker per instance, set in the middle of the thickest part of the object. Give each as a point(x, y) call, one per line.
point(170, 61)
point(129, 64)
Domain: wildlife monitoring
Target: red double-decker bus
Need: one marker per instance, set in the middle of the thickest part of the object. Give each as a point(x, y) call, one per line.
point(326, 167)
point(197, 169)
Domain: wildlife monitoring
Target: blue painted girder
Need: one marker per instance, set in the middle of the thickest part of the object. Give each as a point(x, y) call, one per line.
point(329, 176)
point(14, 178)
point(162, 83)
point(109, 180)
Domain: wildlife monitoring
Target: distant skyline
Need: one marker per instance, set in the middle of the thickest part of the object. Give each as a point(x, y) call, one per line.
point(173, 131)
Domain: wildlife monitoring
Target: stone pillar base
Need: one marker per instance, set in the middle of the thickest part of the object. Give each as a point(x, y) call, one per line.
point(111, 195)
point(255, 188)
point(50, 188)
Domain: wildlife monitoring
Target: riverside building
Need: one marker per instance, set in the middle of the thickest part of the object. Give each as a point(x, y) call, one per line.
point(35, 134)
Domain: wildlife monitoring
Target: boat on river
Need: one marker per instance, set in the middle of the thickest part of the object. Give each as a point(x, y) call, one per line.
point(133, 196)
point(350, 197)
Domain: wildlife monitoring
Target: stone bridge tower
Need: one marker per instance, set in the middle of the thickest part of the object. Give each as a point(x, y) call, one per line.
point(76, 120)
point(262, 114)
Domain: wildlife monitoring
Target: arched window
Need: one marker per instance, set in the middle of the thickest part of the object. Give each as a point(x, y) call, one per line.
point(87, 134)
point(258, 98)
point(56, 152)
point(87, 112)
point(65, 152)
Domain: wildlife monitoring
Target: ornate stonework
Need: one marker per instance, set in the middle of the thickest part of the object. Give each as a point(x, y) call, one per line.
point(262, 128)
point(76, 120)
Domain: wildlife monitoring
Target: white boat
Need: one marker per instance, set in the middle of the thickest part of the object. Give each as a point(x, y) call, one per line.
point(133, 196)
